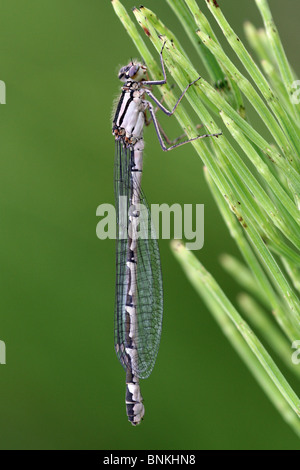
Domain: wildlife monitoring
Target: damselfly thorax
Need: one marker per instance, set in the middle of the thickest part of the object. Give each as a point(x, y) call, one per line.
point(129, 120)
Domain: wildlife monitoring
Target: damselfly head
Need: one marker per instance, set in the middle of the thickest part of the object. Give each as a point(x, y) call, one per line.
point(134, 72)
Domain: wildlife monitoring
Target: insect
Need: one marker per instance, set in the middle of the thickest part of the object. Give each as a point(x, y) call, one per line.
point(139, 289)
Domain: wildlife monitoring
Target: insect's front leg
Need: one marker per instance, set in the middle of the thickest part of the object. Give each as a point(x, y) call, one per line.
point(159, 82)
point(163, 82)
point(163, 133)
point(160, 105)
point(148, 121)
point(159, 131)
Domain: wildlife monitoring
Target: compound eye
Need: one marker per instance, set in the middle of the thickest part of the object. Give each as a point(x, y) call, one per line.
point(133, 70)
point(122, 73)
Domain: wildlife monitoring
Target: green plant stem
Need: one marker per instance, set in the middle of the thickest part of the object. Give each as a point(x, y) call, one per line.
point(280, 311)
point(246, 211)
point(261, 83)
point(286, 72)
point(196, 273)
point(244, 277)
point(262, 109)
point(180, 9)
point(265, 172)
point(242, 349)
point(258, 41)
point(259, 318)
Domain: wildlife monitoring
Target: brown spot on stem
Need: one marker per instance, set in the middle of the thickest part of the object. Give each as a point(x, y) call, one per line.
point(214, 2)
point(147, 31)
point(270, 158)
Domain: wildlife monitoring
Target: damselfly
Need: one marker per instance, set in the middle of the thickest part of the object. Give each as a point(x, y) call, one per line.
point(139, 290)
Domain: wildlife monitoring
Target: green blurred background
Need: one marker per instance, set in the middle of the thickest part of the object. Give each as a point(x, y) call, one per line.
point(62, 387)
